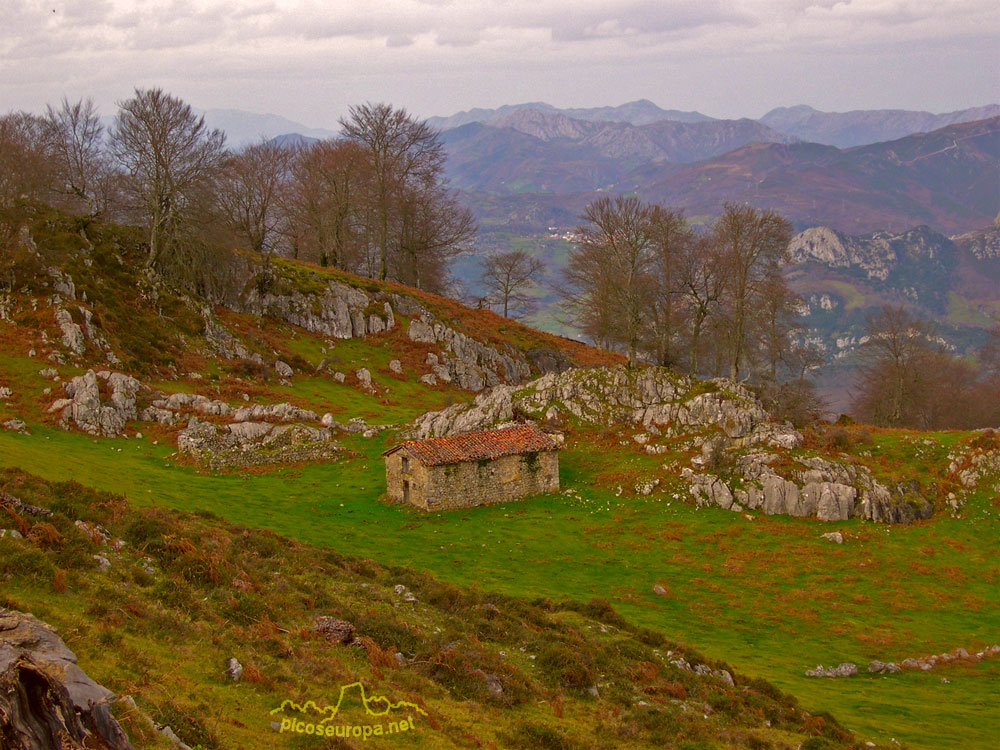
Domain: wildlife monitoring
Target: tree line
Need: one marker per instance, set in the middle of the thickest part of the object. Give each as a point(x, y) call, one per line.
point(372, 202)
point(641, 280)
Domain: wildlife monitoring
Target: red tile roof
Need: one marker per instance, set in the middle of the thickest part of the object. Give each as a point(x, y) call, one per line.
point(477, 446)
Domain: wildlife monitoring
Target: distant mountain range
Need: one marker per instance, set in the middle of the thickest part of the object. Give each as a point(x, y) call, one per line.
point(639, 112)
point(948, 179)
point(863, 126)
point(842, 129)
point(531, 150)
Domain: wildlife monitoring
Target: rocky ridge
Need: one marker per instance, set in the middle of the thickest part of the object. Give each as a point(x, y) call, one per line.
point(243, 444)
point(341, 311)
point(611, 395)
point(816, 486)
point(103, 403)
point(878, 254)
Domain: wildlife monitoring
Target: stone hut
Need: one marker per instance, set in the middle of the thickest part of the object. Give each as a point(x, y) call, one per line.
point(473, 468)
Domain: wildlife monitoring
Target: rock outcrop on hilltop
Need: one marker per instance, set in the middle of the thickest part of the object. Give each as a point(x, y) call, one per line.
point(473, 365)
point(610, 395)
point(46, 700)
point(339, 311)
point(984, 244)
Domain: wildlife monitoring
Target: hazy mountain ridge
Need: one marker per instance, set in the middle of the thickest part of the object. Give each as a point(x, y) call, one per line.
point(860, 127)
point(639, 112)
point(664, 140)
point(947, 179)
point(533, 150)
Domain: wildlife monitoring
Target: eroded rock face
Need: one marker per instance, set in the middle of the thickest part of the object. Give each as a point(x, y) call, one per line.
point(472, 364)
point(339, 311)
point(821, 488)
point(72, 334)
point(342, 311)
point(46, 700)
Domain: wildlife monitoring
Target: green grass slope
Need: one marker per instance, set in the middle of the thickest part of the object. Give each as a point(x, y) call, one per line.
point(461, 666)
point(766, 594)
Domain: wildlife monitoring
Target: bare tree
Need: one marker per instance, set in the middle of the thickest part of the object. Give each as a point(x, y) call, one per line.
point(26, 163)
point(169, 155)
point(433, 228)
point(700, 279)
point(610, 272)
point(251, 193)
point(327, 204)
point(508, 277)
point(989, 355)
point(894, 365)
point(403, 152)
point(672, 236)
point(778, 321)
point(84, 170)
point(751, 244)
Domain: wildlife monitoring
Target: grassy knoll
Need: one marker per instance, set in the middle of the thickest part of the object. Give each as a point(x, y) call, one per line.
point(766, 594)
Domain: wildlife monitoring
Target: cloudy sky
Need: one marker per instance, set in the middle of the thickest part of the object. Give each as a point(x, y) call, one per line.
point(309, 60)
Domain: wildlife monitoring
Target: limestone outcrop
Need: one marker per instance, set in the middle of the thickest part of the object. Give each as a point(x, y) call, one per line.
point(244, 444)
point(472, 364)
point(653, 396)
point(46, 700)
point(972, 463)
point(341, 311)
point(100, 403)
point(817, 487)
point(338, 310)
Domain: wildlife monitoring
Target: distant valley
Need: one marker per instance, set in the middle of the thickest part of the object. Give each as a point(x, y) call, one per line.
point(893, 206)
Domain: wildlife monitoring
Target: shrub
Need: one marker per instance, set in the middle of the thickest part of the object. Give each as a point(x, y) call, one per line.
point(24, 561)
point(532, 736)
point(568, 667)
point(817, 743)
point(245, 607)
point(187, 724)
point(145, 532)
point(837, 438)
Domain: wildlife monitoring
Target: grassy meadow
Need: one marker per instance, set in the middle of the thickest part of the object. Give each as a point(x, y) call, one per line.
point(767, 594)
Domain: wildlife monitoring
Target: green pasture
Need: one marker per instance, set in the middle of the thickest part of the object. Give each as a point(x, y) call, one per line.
point(766, 594)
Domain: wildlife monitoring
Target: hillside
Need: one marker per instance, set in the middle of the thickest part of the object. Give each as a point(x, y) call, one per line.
point(180, 594)
point(245, 433)
point(946, 179)
point(953, 282)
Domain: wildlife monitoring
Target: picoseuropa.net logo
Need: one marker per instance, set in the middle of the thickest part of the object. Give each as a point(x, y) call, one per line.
point(382, 717)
